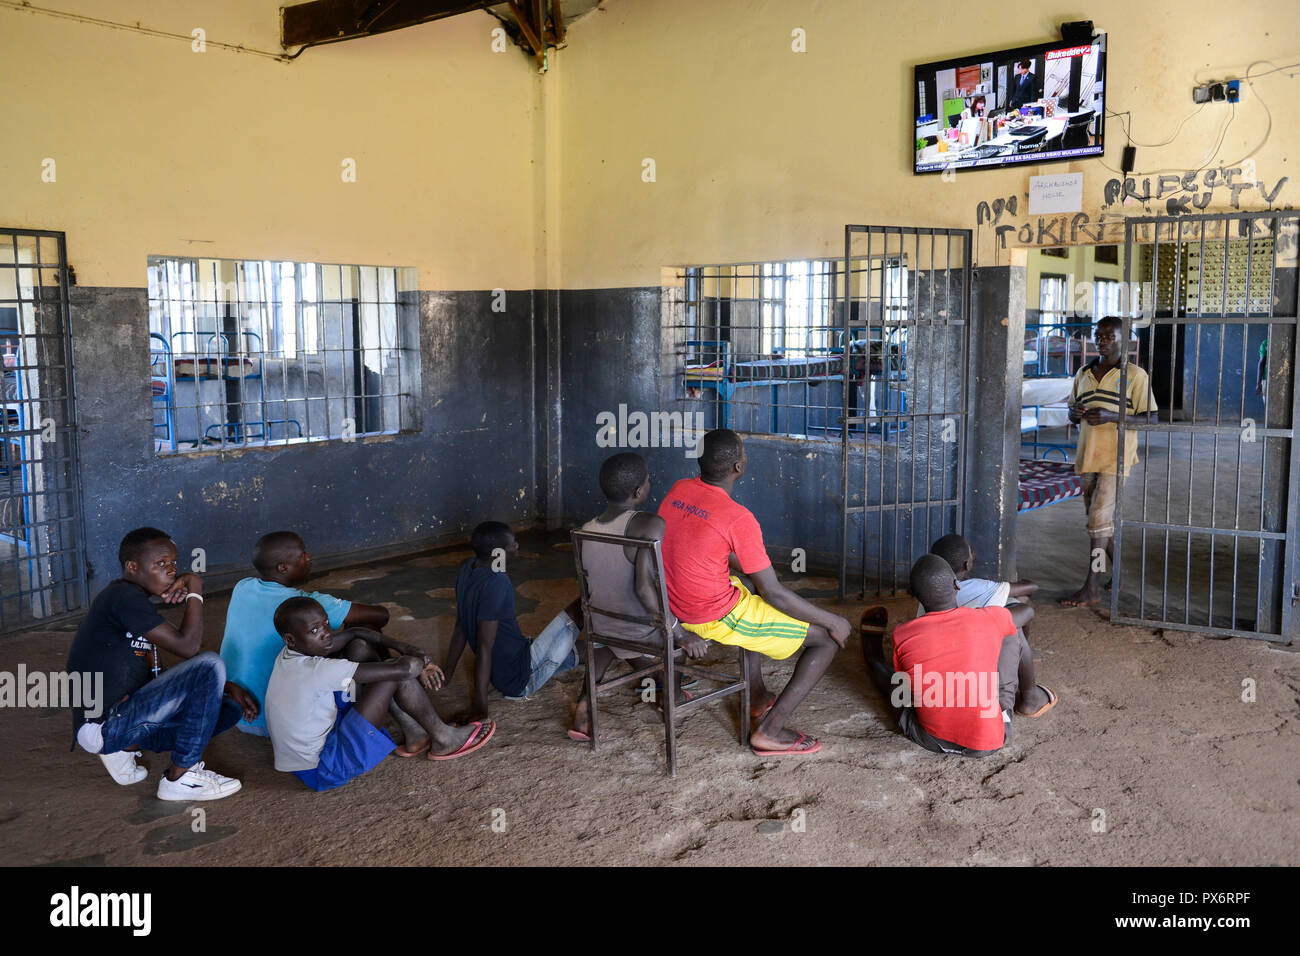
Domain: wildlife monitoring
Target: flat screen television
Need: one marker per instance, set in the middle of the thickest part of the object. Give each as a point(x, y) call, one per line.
point(1043, 103)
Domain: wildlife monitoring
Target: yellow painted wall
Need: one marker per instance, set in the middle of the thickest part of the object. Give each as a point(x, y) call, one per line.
point(482, 174)
point(162, 150)
point(763, 153)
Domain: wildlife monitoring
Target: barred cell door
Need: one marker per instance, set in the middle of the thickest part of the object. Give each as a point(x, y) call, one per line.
point(42, 544)
point(904, 333)
point(1206, 523)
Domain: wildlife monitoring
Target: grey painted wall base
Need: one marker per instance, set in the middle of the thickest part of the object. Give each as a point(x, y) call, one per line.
point(507, 409)
point(473, 458)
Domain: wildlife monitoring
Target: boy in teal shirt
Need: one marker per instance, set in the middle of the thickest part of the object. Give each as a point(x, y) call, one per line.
point(251, 644)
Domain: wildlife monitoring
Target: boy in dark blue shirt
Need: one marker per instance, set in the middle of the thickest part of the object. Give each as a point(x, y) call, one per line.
point(177, 710)
point(485, 620)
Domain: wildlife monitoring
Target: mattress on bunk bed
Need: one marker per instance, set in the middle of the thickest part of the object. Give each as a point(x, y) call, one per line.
point(763, 370)
point(1050, 396)
point(768, 370)
point(1045, 483)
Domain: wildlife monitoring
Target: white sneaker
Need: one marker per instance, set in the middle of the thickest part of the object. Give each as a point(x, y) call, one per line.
point(197, 784)
point(123, 768)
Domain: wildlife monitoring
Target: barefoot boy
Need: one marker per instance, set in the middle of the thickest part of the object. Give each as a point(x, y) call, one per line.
point(957, 671)
point(704, 531)
point(485, 620)
point(251, 643)
point(623, 579)
point(322, 732)
point(1094, 408)
point(179, 709)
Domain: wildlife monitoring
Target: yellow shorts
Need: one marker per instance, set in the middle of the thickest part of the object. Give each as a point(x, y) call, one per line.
point(756, 626)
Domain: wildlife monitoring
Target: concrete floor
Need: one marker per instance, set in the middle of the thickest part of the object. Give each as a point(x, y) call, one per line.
point(1151, 730)
point(1181, 578)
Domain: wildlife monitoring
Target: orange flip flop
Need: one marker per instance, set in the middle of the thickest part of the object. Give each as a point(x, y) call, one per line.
point(471, 744)
point(401, 750)
point(796, 749)
point(1051, 702)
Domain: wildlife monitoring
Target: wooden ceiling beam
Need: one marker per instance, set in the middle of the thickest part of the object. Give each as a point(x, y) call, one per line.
point(557, 22)
point(326, 21)
point(531, 34)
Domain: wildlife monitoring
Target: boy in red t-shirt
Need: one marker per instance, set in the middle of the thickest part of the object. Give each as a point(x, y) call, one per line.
point(706, 534)
point(957, 671)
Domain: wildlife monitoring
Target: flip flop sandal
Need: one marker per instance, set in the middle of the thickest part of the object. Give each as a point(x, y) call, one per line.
point(794, 750)
point(687, 696)
point(764, 712)
point(471, 744)
point(1051, 702)
point(401, 750)
point(879, 624)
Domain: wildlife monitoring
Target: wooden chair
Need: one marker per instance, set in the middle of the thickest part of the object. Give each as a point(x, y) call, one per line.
point(665, 656)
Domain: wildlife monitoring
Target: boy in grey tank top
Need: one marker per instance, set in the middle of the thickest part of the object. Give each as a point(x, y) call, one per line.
point(623, 579)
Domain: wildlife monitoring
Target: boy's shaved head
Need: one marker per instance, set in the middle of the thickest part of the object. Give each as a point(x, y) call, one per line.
point(622, 474)
point(274, 549)
point(932, 581)
point(722, 449)
point(1114, 321)
point(288, 611)
point(489, 536)
point(954, 549)
point(135, 543)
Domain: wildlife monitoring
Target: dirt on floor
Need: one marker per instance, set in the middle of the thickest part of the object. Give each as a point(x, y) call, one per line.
point(1152, 757)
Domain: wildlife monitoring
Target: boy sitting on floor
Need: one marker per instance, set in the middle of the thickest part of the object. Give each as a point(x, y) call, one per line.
point(705, 531)
point(976, 592)
point(177, 710)
point(252, 644)
point(967, 668)
point(622, 579)
point(324, 734)
point(485, 620)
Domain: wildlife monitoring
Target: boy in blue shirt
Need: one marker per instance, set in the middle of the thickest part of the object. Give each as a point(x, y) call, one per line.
point(251, 643)
point(485, 620)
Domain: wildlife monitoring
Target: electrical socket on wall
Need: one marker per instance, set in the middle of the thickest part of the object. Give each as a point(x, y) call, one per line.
point(1229, 91)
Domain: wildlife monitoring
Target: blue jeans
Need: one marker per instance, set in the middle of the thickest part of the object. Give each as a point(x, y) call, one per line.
point(551, 653)
point(179, 711)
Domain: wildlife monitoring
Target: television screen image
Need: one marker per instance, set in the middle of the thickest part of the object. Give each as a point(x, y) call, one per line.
point(1033, 104)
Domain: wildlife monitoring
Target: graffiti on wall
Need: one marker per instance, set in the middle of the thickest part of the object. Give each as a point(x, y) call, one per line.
point(1173, 194)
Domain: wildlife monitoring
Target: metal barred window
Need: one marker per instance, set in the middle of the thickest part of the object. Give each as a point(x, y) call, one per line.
point(761, 348)
point(259, 352)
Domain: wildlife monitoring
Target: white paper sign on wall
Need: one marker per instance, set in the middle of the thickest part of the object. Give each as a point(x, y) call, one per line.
point(1051, 194)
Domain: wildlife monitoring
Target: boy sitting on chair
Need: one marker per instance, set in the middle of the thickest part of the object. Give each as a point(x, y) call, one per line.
point(623, 579)
point(178, 709)
point(957, 671)
point(252, 644)
point(324, 733)
point(705, 530)
point(485, 620)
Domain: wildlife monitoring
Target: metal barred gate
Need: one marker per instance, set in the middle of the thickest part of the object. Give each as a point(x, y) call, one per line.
point(1205, 531)
point(42, 545)
point(904, 310)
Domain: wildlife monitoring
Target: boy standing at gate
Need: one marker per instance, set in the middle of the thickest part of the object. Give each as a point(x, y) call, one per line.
point(1094, 407)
